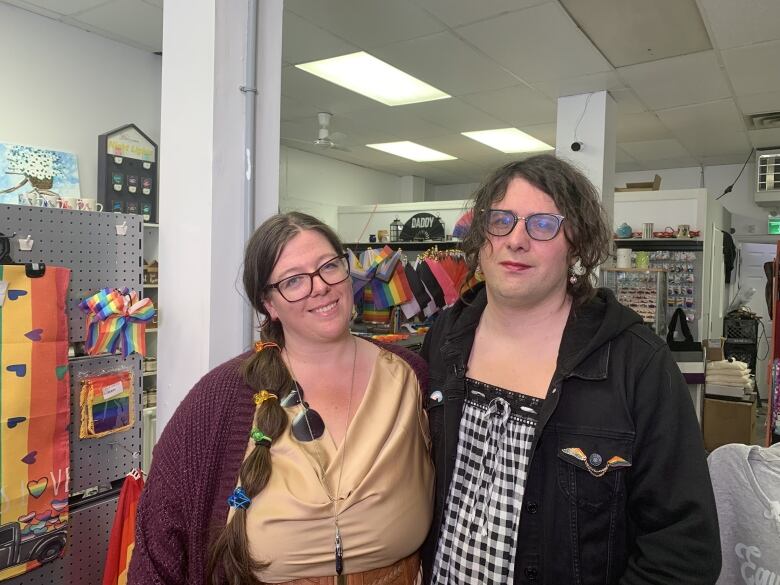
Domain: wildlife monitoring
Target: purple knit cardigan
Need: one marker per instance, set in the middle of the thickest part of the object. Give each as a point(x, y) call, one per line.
point(195, 469)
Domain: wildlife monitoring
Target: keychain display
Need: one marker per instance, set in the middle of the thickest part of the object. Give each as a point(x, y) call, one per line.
point(106, 404)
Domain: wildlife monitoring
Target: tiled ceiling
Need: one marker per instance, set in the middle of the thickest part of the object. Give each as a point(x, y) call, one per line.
point(683, 73)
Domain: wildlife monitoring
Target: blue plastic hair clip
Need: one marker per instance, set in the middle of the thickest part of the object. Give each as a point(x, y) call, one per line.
point(239, 499)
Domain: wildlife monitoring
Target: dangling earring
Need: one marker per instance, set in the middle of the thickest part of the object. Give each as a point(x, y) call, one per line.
point(572, 276)
point(478, 269)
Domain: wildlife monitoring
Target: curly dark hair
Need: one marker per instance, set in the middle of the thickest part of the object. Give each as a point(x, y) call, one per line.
point(585, 227)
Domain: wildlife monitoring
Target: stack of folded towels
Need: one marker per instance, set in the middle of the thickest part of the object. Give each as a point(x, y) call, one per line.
point(728, 377)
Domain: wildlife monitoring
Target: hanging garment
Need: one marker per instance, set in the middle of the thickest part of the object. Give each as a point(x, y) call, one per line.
point(35, 409)
point(122, 540)
point(729, 255)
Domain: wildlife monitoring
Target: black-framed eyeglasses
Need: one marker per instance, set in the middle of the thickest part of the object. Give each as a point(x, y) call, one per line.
point(307, 424)
point(540, 226)
point(299, 286)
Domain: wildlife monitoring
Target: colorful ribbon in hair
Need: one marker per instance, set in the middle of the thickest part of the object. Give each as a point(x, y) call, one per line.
point(116, 320)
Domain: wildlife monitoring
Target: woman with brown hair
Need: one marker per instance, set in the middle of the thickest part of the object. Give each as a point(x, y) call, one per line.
point(305, 461)
point(564, 438)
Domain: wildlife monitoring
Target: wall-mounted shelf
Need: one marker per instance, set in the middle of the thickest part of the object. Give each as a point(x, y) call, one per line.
point(150, 285)
point(151, 225)
point(667, 244)
point(151, 329)
point(411, 246)
point(152, 373)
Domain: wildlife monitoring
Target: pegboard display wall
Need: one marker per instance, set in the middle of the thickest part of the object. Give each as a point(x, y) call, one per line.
point(84, 241)
point(85, 555)
point(97, 462)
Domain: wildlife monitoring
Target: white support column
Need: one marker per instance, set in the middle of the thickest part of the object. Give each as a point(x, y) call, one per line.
point(202, 167)
point(412, 189)
point(590, 120)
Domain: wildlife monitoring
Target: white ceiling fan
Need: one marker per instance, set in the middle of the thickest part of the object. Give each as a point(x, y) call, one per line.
point(325, 138)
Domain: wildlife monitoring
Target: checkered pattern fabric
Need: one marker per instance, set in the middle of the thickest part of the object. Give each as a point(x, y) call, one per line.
point(478, 538)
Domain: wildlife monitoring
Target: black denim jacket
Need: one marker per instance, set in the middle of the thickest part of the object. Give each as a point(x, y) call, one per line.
point(616, 393)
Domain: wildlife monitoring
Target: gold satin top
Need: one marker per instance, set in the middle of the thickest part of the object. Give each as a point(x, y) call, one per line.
point(386, 483)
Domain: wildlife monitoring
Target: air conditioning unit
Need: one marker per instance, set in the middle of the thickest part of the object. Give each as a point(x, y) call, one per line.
point(768, 177)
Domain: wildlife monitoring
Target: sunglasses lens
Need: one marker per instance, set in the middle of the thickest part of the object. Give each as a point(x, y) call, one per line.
point(292, 399)
point(308, 425)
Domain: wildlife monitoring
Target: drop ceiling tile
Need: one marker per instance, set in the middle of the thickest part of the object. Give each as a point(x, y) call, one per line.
point(759, 103)
point(538, 44)
point(367, 23)
point(644, 126)
point(292, 109)
point(544, 132)
point(767, 138)
point(58, 6)
point(635, 31)
point(735, 23)
point(131, 19)
point(517, 105)
point(654, 149)
point(396, 122)
point(677, 81)
point(606, 81)
point(736, 158)
point(671, 163)
point(459, 12)
point(447, 63)
point(454, 114)
point(754, 69)
point(626, 102)
point(628, 167)
point(303, 41)
point(622, 157)
point(709, 129)
point(323, 95)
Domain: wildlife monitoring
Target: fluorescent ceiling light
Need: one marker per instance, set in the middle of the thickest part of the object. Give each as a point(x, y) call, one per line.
point(412, 151)
point(508, 140)
point(367, 75)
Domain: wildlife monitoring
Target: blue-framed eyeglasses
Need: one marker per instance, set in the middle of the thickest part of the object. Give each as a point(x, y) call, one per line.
point(539, 226)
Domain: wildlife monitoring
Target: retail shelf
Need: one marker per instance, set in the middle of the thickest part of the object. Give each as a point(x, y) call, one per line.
point(670, 244)
point(152, 373)
point(151, 329)
point(151, 225)
point(151, 285)
point(414, 246)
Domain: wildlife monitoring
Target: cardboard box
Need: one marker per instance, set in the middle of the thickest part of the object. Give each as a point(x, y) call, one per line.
point(653, 185)
point(728, 421)
point(713, 349)
point(722, 390)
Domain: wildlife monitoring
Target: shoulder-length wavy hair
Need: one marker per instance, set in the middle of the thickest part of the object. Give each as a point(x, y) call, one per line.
point(585, 227)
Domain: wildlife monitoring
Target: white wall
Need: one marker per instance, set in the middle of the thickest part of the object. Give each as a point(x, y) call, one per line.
point(319, 185)
point(63, 86)
point(450, 192)
point(739, 202)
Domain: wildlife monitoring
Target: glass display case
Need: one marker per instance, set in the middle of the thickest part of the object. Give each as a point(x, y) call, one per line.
point(643, 290)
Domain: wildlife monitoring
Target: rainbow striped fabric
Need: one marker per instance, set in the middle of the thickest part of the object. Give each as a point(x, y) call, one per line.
point(34, 418)
point(116, 320)
point(122, 541)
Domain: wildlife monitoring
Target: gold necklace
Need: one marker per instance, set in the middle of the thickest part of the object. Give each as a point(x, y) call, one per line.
point(338, 548)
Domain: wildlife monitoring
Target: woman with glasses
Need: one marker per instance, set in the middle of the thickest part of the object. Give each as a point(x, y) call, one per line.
point(565, 442)
point(306, 461)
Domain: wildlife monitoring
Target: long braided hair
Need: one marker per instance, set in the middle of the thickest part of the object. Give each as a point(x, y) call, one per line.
point(229, 557)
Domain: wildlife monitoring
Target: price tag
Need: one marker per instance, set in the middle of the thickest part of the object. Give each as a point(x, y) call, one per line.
point(112, 390)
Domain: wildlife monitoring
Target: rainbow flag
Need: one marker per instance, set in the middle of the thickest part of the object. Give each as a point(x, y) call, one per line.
point(34, 417)
point(395, 292)
point(122, 541)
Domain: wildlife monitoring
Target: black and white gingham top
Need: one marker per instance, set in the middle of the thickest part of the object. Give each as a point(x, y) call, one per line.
point(478, 538)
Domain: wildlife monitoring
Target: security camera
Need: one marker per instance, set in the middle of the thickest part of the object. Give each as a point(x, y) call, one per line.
point(773, 212)
point(576, 146)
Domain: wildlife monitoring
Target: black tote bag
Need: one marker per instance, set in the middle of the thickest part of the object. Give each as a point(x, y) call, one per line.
point(687, 350)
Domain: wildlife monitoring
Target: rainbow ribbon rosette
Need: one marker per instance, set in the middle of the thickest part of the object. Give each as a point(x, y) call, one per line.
point(116, 320)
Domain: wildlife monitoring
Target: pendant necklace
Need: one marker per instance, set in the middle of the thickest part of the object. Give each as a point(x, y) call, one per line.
point(338, 546)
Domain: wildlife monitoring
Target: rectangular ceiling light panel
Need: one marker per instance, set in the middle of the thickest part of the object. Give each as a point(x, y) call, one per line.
point(508, 140)
point(412, 151)
point(368, 76)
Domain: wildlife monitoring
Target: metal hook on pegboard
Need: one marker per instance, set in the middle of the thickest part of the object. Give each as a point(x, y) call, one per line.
point(134, 454)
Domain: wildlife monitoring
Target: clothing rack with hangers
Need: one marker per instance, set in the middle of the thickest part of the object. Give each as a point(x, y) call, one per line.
point(98, 255)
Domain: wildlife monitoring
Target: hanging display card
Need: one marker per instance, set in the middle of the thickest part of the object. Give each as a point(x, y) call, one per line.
point(106, 404)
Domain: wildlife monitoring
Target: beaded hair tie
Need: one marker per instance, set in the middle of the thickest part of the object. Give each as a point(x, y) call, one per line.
point(238, 499)
point(260, 438)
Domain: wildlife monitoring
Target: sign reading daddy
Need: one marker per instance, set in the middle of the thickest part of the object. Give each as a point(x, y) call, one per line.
point(422, 227)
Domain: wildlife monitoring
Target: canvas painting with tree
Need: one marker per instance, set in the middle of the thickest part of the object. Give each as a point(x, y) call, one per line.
point(27, 172)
